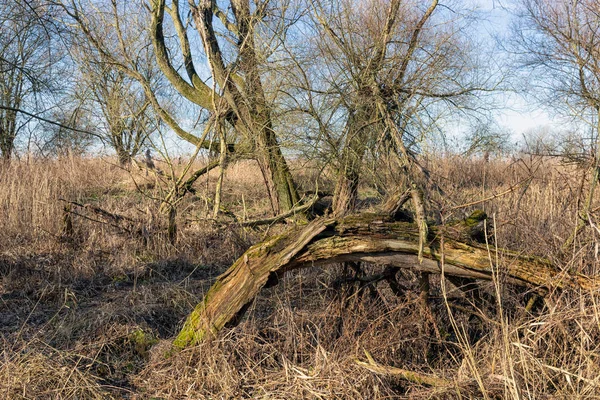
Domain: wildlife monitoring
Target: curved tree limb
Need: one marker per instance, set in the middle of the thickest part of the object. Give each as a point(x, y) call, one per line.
point(370, 238)
point(197, 92)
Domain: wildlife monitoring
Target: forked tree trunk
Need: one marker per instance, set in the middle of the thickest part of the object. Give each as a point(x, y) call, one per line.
point(241, 94)
point(369, 238)
point(256, 112)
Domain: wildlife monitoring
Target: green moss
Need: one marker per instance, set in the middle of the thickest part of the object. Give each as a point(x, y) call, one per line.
point(190, 333)
point(142, 341)
point(120, 278)
point(476, 217)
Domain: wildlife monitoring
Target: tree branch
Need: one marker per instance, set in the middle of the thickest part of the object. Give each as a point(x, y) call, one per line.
point(200, 93)
point(412, 376)
point(18, 110)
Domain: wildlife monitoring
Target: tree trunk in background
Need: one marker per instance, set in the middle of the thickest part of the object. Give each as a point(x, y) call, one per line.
point(8, 120)
point(256, 111)
point(278, 178)
point(238, 93)
point(346, 188)
point(124, 157)
point(359, 132)
point(6, 148)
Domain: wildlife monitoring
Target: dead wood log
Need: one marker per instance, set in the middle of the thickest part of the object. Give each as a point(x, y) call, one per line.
point(370, 238)
point(115, 220)
point(395, 202)
point(411, 376)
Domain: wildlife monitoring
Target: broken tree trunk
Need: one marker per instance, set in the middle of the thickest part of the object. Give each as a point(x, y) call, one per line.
point(370, 238)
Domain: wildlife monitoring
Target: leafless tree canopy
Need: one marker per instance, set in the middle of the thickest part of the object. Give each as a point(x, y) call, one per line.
point(164, 161)
point(26, 58)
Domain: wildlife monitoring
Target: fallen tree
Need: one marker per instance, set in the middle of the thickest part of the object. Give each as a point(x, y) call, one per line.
point(373, 238)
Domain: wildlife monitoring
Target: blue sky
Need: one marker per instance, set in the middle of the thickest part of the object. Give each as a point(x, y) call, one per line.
point(515, 113)
point(518, 113)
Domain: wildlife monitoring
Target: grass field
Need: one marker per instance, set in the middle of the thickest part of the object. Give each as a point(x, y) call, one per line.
point(90, 312)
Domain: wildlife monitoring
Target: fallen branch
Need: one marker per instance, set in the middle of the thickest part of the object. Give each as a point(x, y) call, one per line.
point(372, 238)
point(411, 376)
point(113, 219)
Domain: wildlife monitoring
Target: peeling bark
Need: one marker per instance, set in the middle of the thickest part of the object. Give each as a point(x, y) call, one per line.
point(370, 238)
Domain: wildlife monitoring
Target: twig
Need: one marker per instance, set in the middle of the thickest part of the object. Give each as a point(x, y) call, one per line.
point(36, 116)
point(113, 219)
point(99, 222)
point(97, 210)
point(492, 197)
point(280, 217)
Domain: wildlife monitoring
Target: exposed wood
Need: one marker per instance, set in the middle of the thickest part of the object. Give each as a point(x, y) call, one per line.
point(240, 283)
point(370, 238)
point(393, 204)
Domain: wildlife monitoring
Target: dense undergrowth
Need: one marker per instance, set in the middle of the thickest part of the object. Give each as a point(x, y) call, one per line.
point(92, 314)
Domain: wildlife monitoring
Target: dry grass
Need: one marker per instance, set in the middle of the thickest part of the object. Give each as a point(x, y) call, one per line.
point(92, 315)
point(42, 376)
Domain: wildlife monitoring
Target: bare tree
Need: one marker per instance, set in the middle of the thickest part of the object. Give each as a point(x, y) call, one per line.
point(485, 139)
point(25, 60)
point(70, 131)
point(234, 56)
point(240, 97)
point(560, 44)
point(394, 64)
point(119, 105)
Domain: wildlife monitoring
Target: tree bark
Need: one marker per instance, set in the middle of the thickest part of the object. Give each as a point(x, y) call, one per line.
point(7, 133)
point(242, 99)
point(360, 131)
point(369, 238)
point(346, 188)
point(123, 156)
point(281, 187)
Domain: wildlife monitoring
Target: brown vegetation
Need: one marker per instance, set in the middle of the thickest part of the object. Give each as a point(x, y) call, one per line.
point(92, 313)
